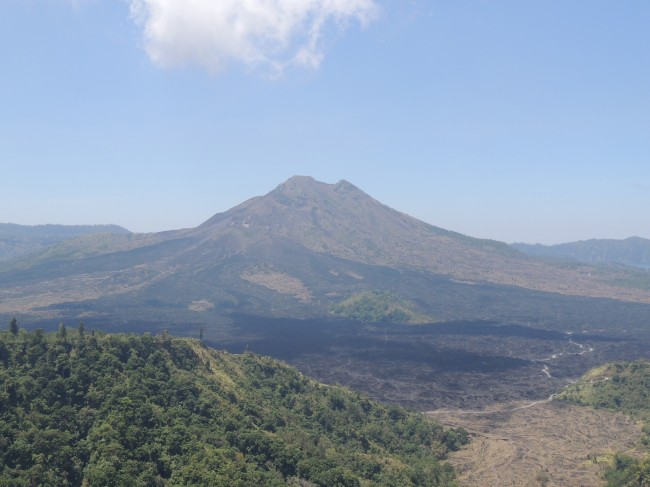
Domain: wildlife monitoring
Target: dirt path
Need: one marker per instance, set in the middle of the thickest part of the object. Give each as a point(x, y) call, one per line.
point(581, 350)
point(498, 410)
point(510, 447)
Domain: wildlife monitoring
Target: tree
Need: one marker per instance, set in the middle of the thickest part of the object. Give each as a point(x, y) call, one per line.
point(13, 326)
point(543, 478)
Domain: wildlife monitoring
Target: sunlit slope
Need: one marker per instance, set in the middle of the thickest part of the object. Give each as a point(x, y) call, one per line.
point(107, 410)
point(623, 387)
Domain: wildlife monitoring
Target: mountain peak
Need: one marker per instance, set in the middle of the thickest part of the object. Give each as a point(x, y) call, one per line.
point(344, 186)
point(299, 180)
point(298, 185)
point(309, 183)
point(303, 191)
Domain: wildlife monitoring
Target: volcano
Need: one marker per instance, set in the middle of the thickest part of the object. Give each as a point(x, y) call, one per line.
point(293, 252)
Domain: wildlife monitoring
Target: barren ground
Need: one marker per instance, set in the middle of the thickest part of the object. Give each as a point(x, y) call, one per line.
point(511, 447)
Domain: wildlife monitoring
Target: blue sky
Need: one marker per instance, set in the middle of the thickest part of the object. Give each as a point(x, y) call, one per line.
point(511, 120)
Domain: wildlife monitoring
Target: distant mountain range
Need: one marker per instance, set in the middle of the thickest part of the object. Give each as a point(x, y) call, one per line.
point(297, 251)
point(632, 252)
point(20, 240)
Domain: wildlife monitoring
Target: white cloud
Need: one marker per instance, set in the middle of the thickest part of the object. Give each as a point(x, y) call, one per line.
point(267, 34)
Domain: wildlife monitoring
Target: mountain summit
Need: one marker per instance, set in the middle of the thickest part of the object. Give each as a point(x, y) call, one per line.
point(295, 251)
point(343, 221)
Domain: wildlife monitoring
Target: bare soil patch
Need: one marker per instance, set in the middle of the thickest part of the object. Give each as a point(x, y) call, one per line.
point(279, 282)
point(512, 445)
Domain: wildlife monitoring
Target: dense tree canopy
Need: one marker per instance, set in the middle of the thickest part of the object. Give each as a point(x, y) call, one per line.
point(378, 307)
point(79, 408)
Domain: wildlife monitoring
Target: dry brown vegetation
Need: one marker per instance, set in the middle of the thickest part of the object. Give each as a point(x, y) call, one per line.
point(279, 282)
point(569, 445)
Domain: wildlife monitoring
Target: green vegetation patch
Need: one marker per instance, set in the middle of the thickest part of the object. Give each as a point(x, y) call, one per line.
point(379, 307)
point(624, 387)
point(620, 386)
point(82, 409)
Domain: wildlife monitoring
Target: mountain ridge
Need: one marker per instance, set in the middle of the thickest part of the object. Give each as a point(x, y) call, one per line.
point(20, 240)
point(632, 251)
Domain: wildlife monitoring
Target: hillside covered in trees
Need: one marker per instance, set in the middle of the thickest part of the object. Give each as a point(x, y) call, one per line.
point(91, 409)
point(624, 387)
point(378, 307)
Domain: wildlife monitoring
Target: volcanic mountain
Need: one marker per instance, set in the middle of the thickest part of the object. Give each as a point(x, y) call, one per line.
point(296, 251)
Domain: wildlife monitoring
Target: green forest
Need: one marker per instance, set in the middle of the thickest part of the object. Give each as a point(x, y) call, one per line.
point(378, 307)
point(624, 387)
point(81, 408)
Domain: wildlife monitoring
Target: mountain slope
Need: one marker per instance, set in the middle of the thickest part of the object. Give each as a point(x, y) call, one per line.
point(620, 386)
point(19, 240)
point(632, 252)
point(112, 410)
point(294, 252)
point(341, 220)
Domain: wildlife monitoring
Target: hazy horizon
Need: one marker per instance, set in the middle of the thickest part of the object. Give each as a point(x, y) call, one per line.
point(510, 121)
